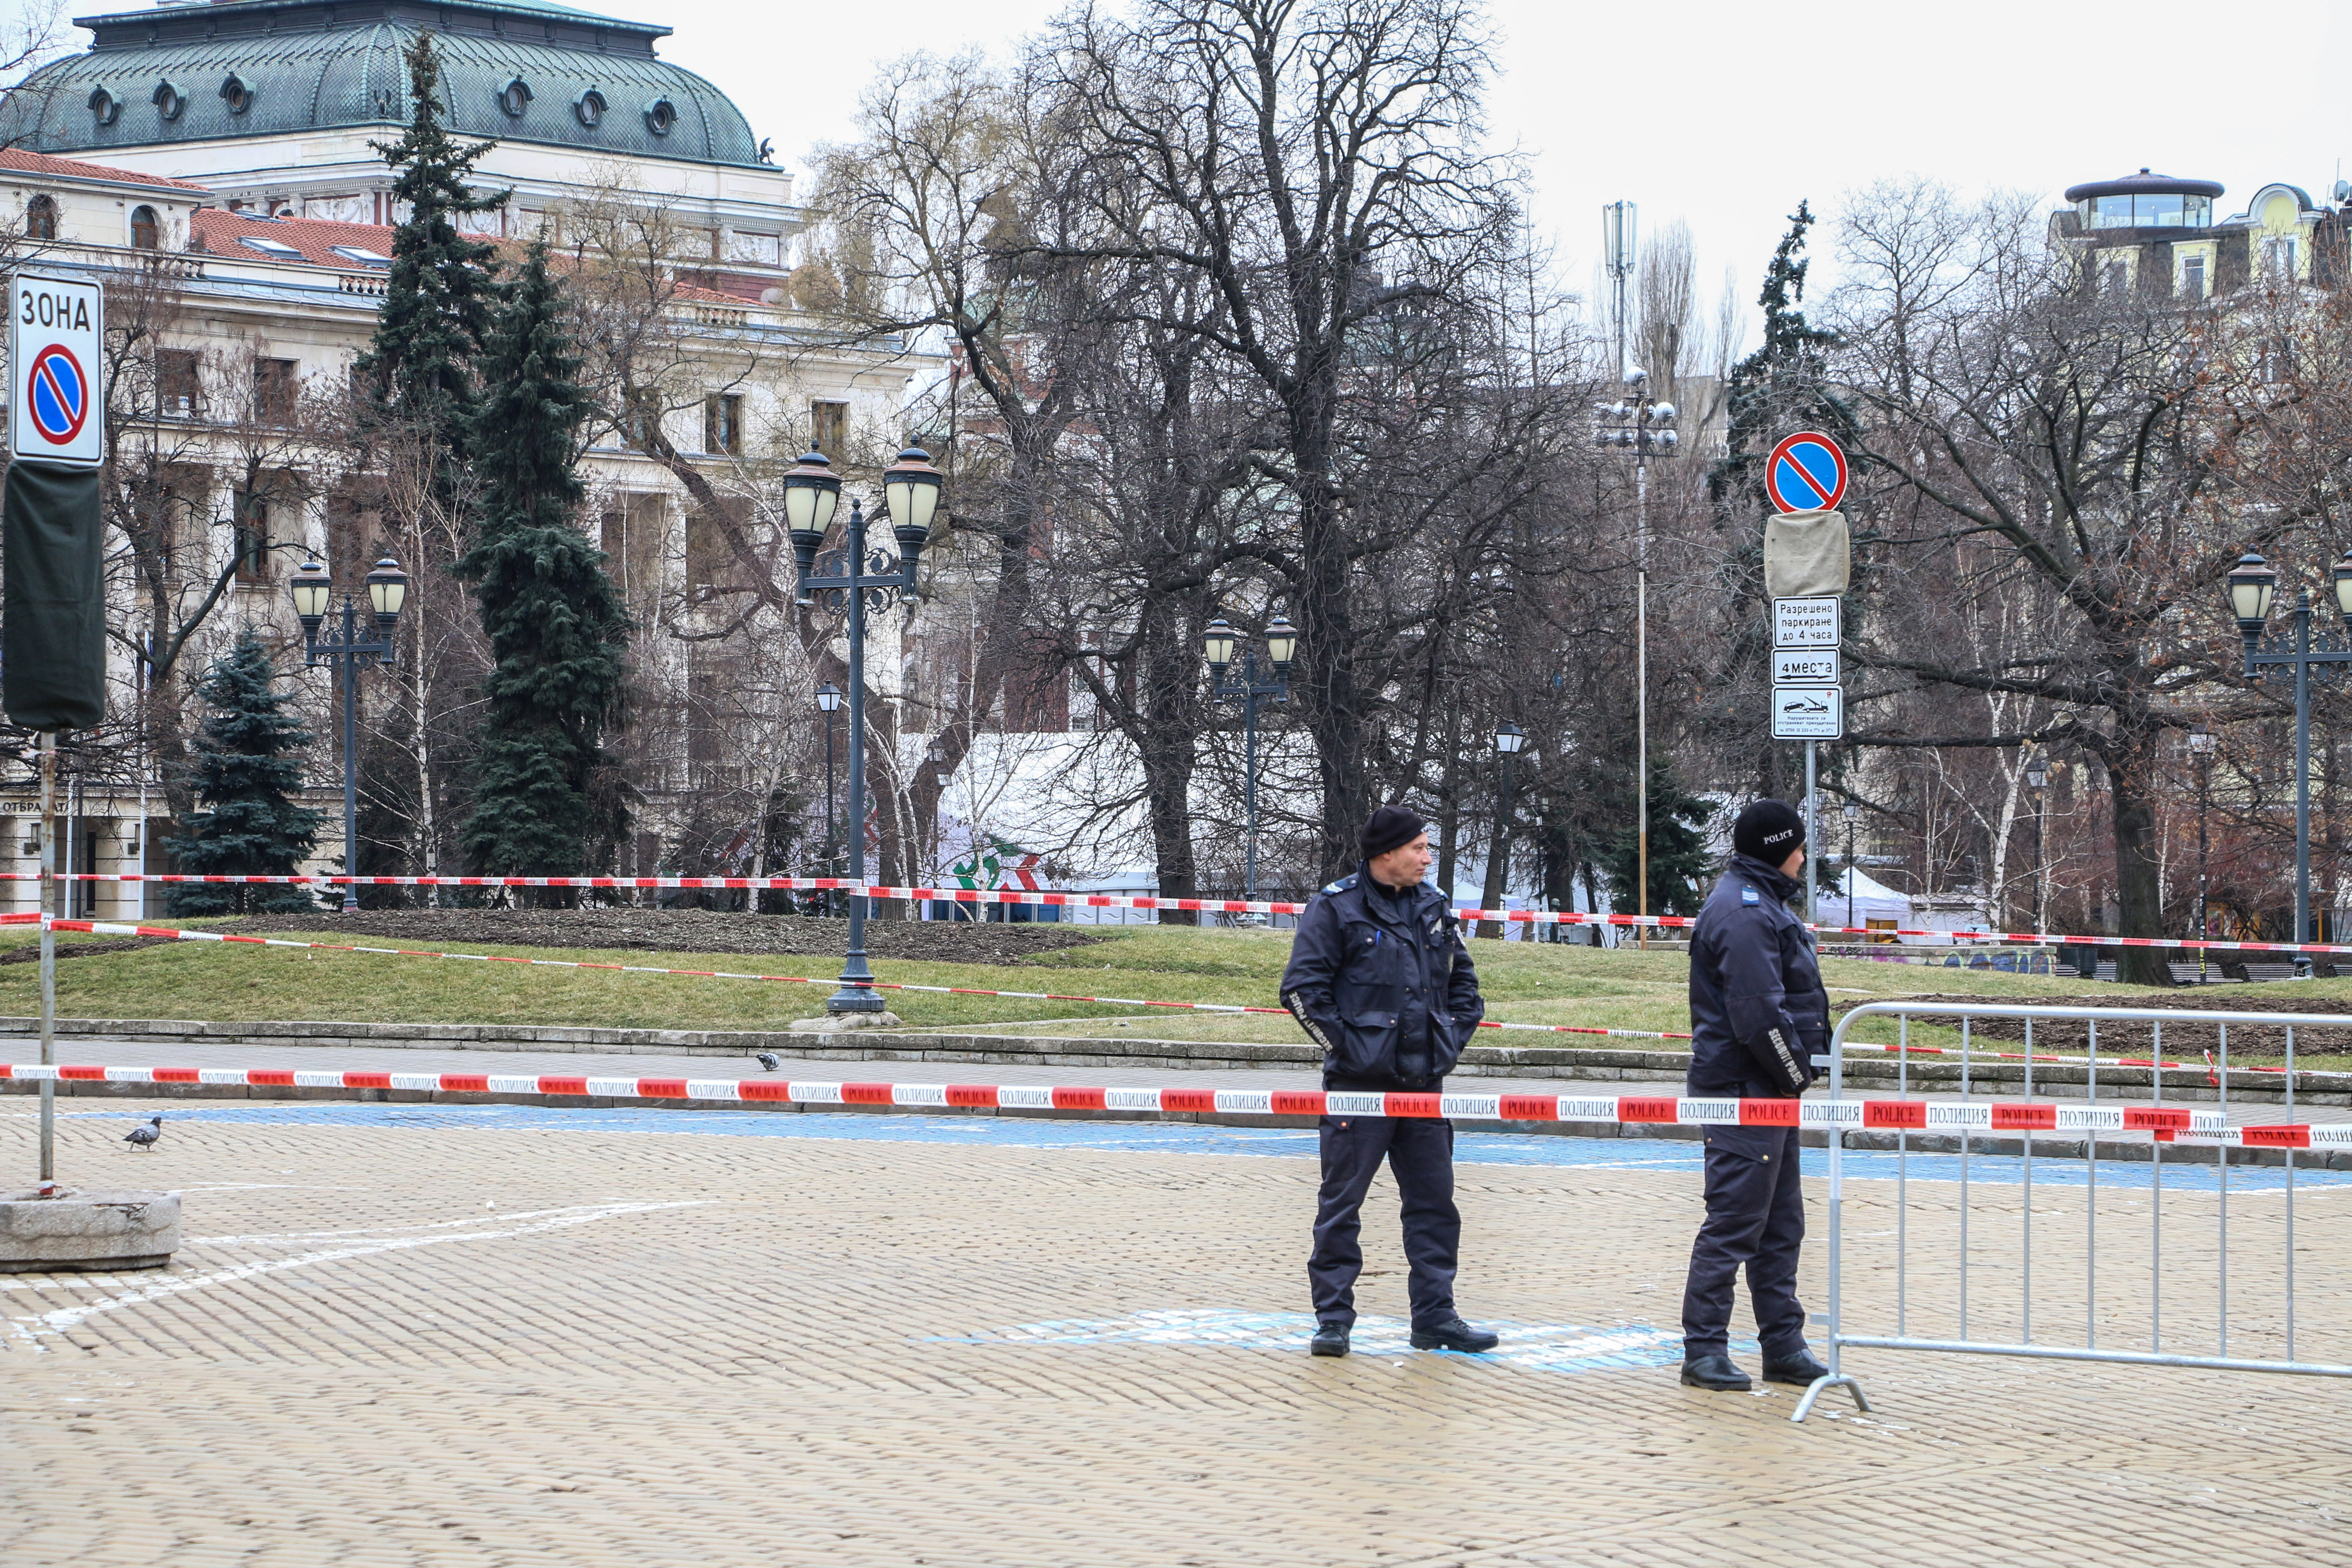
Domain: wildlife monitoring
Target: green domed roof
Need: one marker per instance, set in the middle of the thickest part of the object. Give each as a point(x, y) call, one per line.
point(513, 71)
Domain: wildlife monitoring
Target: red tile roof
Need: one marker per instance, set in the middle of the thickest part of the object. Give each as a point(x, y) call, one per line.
point(312, 240)
point(219, 232)
point(73, 168)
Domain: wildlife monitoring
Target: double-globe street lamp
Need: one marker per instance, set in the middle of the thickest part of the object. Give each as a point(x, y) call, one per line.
point(349, 652)
point(2253, 583)
point(910, 496)
point(1247, 688)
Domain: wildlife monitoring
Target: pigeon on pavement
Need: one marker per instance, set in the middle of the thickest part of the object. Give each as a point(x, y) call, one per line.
point(144, 1137)
point(769, 1061)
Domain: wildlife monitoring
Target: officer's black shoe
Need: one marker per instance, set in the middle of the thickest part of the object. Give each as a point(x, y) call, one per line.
point(1716, 1372)
point(1800, 1368)
point(1331, 1339)
point(1457, 1335)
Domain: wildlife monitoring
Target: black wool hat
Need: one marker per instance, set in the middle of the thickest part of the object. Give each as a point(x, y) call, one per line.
point(1390, 826)
point(1768, 830)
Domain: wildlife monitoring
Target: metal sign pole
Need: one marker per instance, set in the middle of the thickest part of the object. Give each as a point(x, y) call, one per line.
point(48, 956)
point(1812, 824)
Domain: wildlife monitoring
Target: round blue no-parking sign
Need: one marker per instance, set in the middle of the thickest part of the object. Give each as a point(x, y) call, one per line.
point(1806, 472)
point(58, 393)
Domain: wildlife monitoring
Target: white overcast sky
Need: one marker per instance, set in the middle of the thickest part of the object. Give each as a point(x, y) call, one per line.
point(1725, 115)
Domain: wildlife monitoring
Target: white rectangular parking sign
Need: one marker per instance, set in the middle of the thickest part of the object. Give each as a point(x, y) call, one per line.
point(56, 403)
point(1808, 712)
point(1805, 667)
point(1805, 623)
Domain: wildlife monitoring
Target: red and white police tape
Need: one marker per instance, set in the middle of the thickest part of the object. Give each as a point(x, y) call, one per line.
point(173, 933)
point(1124, 901)
point(2180, 1122)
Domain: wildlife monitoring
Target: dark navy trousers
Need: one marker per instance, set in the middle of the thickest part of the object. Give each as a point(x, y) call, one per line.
point(1755, 1220)
point(1420, 1150)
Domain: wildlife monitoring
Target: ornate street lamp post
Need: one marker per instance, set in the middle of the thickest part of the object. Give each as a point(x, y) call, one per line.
point(349, 652)
point(910, 494)
point(2253, 583)
point(1245, 688)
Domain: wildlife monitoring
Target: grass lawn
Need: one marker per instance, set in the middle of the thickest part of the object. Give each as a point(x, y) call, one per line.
point(1523, 982)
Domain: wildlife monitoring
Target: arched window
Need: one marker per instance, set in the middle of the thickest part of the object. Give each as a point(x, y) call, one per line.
point(143, 227)
point(41, 218)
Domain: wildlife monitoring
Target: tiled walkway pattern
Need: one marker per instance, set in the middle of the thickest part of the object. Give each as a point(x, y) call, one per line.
point(423, 1344)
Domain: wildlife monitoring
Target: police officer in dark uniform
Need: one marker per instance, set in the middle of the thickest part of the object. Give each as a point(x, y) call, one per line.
point(1381, 979)
point(1757, 1015)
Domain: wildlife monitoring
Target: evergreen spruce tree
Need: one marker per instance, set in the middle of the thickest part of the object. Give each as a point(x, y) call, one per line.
point(1781, 387)
point(1681, 868)
point(554, 621)
point(439, 294)
point(247, 779)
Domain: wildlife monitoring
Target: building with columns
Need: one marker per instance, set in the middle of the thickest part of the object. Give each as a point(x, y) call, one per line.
point(217, 157)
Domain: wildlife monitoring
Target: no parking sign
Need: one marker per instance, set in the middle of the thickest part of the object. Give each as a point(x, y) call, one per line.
point(56, 329)
point(1806, 472)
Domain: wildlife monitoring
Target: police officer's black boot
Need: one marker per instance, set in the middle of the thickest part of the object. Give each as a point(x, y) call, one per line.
point(1455, 1335)
point(1331, 1339)
point(1797, 1367)
point(1716, 1371)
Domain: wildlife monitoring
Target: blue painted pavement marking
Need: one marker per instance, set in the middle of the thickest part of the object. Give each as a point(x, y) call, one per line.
point(1534, 1347)
point(1191, 1138)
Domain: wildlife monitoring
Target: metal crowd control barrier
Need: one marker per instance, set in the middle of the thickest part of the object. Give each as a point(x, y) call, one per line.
point(1968, 1115)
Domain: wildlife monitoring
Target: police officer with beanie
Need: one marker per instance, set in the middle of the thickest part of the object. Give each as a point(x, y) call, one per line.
point(1380, 978)
point(1757, 1015)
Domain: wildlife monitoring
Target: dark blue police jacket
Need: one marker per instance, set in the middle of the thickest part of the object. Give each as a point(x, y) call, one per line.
point(1383, 983)
point(1758, 1010)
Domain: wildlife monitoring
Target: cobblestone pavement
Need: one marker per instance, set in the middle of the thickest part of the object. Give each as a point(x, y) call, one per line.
point(403, 1336)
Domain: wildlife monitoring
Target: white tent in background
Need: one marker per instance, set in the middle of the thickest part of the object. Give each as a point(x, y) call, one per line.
point(1871, 902)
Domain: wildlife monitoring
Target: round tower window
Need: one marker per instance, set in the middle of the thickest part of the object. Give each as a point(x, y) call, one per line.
point(170, 101)
point(589, 108)
point(661, 117)
point(515, 98)
point(237, 94)
point(104, 107)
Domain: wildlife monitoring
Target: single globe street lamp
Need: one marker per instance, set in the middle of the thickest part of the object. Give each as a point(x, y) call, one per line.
point(855, 583)
point(2253, 585)
point(828, 702)
point(349, 651)
point(1853, 817)
point(2037, 779)
point(1509, 741)
point(1244, 685)
point(2200, 746)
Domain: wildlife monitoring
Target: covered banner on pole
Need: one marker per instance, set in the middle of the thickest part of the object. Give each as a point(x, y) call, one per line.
point(52, 539)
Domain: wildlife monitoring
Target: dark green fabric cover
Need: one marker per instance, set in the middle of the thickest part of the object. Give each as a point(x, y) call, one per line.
point(52, 550)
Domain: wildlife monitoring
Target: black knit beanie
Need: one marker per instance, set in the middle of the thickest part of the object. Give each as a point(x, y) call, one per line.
point(1391, 825)
point(1768, 830)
